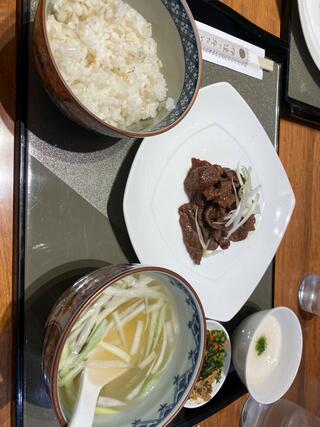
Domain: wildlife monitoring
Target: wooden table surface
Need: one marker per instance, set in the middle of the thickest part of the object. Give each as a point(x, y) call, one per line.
point(298, 255)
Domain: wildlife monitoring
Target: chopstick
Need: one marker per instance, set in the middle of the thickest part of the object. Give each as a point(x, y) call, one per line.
point(265, 64)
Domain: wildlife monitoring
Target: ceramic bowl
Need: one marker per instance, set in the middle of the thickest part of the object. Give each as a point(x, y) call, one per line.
point(178, 49)
point(284, 357)
point(211, 326)
point(162, 403)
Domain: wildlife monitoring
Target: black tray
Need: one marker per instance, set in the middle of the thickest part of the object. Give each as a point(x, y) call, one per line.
point(301, 86)
point(43, 184)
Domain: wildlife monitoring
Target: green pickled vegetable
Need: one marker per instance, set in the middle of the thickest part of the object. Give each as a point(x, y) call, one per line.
point(261, 345)
point(215, 355)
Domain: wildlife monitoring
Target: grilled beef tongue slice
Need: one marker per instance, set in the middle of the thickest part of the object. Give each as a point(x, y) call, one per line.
point(243, 231)
point(223, 195)
point(199, 178)
point(189, 231)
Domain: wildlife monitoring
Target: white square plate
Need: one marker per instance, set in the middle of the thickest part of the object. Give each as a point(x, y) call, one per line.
point(220, 128)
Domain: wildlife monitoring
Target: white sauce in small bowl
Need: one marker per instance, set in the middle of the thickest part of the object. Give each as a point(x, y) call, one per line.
point(267, 352)
point(260, 367)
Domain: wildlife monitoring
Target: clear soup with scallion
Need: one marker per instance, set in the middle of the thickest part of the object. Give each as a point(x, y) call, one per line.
point(132, 324)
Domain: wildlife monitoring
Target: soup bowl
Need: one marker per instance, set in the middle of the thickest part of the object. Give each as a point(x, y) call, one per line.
point(178, 48)
point(160, 405)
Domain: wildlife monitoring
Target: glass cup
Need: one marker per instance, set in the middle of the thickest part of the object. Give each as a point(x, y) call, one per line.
point(309, 294)
point(281, 413)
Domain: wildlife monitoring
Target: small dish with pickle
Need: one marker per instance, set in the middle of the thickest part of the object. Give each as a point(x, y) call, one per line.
point(215, 365)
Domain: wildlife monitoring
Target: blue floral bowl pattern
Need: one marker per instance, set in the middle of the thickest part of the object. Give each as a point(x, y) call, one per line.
point(181, 382)
point(192, 59)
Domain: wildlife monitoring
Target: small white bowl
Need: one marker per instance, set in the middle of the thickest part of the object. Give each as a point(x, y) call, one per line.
point(211, 326)
point(286, 360)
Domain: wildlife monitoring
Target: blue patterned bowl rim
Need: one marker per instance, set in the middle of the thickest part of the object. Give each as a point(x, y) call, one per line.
point(182, 382)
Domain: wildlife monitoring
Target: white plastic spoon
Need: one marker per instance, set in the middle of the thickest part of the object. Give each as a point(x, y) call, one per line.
point(92, 381)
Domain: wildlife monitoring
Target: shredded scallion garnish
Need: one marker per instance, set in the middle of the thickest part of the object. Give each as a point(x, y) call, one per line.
point(204, 245)
point(247, 199)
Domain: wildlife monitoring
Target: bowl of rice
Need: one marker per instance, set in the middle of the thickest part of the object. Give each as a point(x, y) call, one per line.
point(119, 67)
